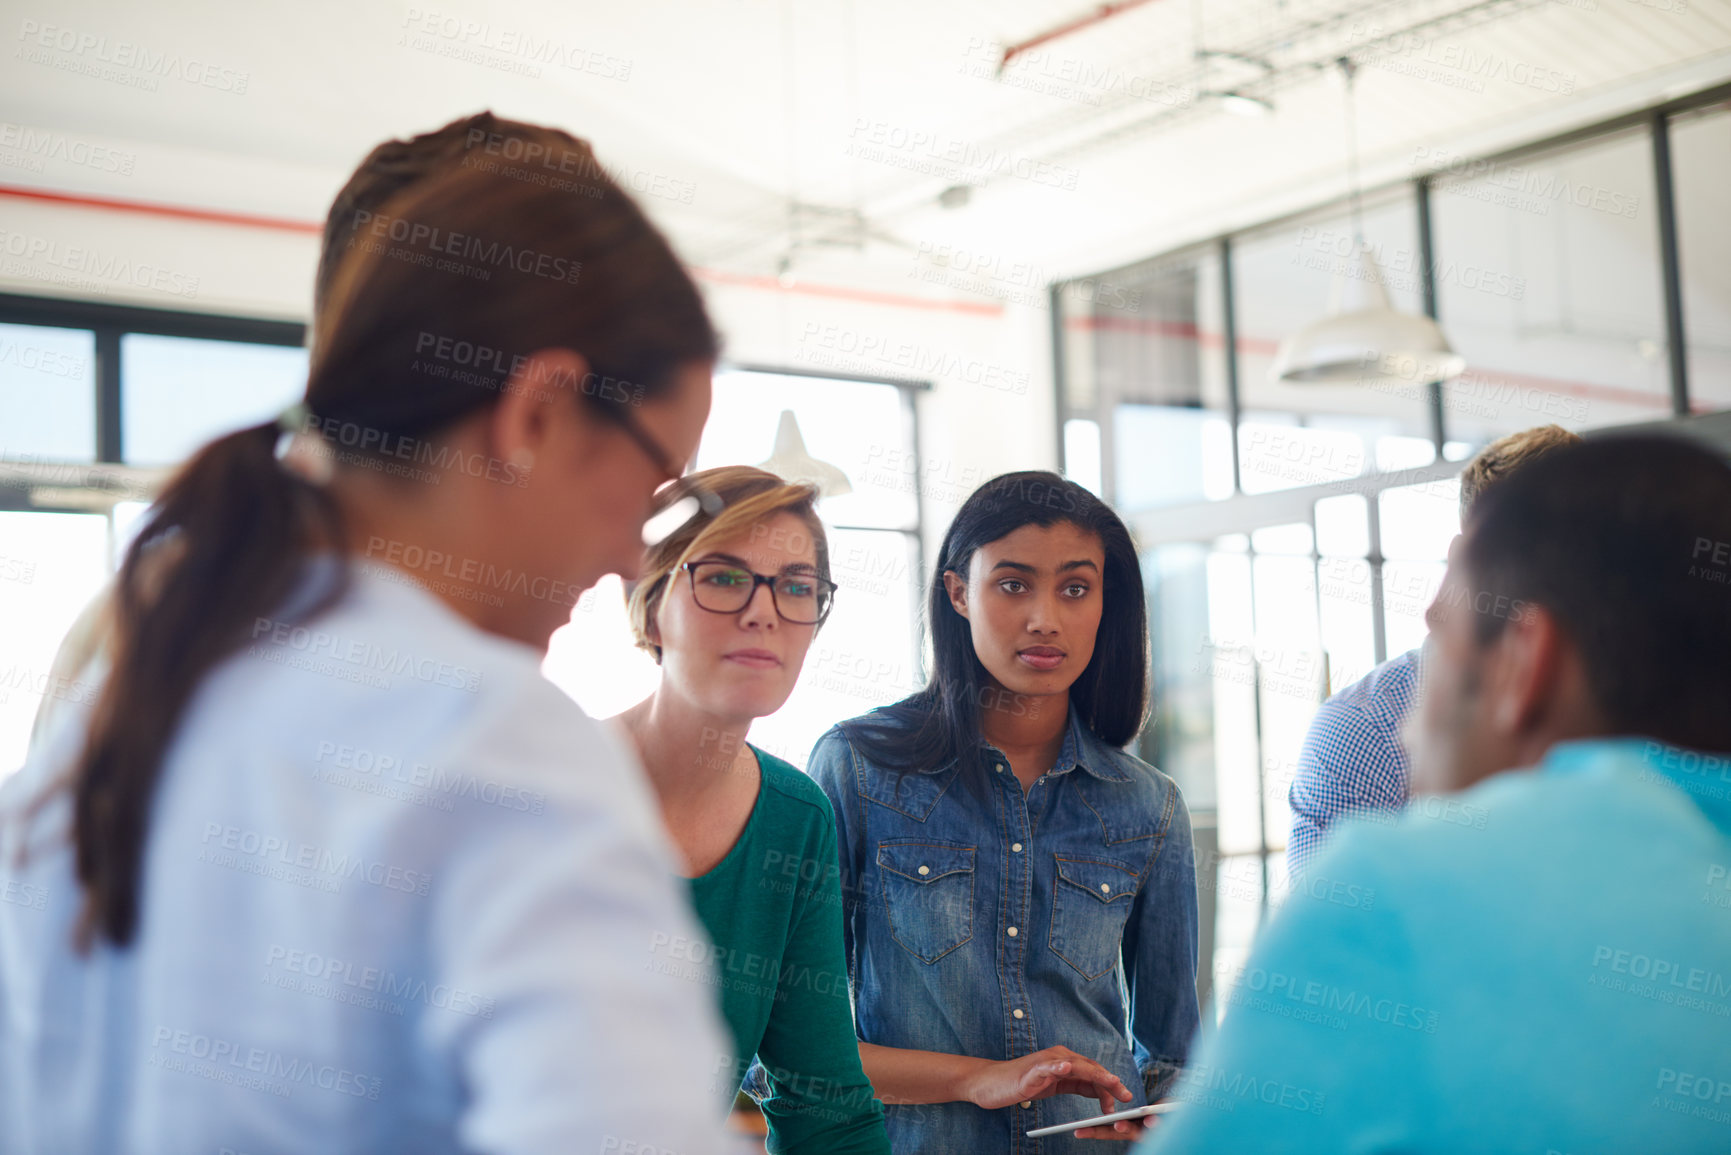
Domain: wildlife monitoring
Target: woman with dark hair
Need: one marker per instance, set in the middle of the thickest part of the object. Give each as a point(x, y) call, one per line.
point(330, 865)
point(728, 606)
point(1010, 875)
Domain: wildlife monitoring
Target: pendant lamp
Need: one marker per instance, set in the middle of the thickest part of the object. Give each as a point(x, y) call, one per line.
point(791, 462)
point(1364, 340)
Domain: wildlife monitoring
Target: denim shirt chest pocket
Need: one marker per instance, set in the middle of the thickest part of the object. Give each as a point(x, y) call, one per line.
point(928, 894)
point(1091, 899)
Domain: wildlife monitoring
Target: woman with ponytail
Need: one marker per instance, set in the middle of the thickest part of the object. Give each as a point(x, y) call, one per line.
point(330, 865)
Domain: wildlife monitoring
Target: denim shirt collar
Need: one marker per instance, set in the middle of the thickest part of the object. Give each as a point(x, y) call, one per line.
point(1081, 750)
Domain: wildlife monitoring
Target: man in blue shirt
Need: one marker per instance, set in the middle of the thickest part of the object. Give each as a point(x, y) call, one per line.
point(1352, 761)
point(1540, 960)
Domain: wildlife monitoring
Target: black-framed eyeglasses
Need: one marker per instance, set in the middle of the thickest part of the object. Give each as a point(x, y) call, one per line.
point(722, 587)
point(652, 449)
point(696, 498)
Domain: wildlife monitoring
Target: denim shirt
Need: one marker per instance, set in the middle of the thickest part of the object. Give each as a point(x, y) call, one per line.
point(981, 920)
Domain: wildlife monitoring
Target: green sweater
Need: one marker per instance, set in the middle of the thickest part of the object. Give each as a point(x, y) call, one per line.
point(773, 909)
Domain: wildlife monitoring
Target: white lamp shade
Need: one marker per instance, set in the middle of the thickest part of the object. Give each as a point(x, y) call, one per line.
point(791, 462)
point(1369, 344)
point(1367, 347)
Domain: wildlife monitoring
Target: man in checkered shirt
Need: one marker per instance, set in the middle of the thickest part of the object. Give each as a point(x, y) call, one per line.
point(1352, 759)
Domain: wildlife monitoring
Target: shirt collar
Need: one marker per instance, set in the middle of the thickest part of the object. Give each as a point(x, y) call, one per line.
point(1081, 750)
point(1704, 775)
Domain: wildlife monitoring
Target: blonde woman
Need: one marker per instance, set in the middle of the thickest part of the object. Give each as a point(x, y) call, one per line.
point(728, 606)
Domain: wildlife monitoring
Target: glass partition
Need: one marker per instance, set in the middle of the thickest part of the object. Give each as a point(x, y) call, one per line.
point(1701, 174)
point(1548, 283)
point(48, 393)
point(179, 392)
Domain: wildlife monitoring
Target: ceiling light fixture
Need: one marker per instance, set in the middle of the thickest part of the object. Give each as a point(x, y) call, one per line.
point(791, 462)
point(1364, 340)
point(1250, 107)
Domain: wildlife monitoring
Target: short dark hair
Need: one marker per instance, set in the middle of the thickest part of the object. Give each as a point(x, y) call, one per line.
point(1626, 540)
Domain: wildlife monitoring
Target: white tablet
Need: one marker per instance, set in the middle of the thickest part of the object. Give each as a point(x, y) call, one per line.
point(1103, 1120)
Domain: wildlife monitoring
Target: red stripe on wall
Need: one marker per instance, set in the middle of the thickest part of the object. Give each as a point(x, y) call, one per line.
point(281, 224)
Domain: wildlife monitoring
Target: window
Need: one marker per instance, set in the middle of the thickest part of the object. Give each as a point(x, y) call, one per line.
point(51, 565)
point(1548, 283)
point(1300, 271)
point(1252, 630)
point(1290, 276)
point(1145, 367)
point(178, 380)
point(1701, 172)
point(1345, 586)
point(178, 393)
point(77, 379)
point(48, 393)
point(1294, 535)
point(1417, 524)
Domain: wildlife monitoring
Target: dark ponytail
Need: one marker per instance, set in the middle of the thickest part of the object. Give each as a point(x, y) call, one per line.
point(540, 268)
point(217, 550)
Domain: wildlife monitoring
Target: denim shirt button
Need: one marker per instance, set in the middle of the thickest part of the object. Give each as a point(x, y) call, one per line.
point(1016, 846)
point(999, 767)
point(1017, 1012)
point(1026, 1103)
point(928, 870)
point(1013, 932)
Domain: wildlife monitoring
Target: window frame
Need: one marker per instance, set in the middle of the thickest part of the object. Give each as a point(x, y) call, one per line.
point(1655, 119)
point(909, 389)
point(40, 486)
point(110, 322)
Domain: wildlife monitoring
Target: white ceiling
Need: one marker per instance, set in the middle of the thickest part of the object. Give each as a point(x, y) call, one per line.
point(770, 120)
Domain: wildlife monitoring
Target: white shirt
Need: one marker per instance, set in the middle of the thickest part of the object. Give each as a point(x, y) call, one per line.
point(399, 893)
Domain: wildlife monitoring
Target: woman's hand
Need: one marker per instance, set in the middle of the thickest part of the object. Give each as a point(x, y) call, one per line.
point(1053, 1071)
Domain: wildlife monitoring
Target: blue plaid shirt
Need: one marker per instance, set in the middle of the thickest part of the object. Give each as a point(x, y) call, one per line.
point(1353, 760)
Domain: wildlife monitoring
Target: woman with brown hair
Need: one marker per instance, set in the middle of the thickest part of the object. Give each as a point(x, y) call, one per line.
point(728, 606)
point(331, 866)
